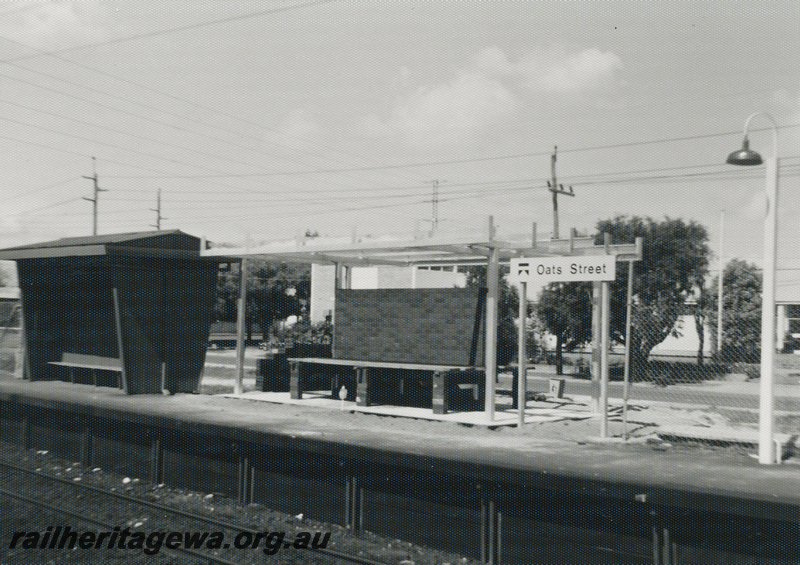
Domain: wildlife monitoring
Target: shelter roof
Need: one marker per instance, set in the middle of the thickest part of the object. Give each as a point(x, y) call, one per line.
point(164, 243)
point(430, 251)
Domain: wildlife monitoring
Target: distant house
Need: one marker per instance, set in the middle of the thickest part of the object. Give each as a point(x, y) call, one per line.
point(9, 307)
point(323, 282)
point(787, 298)
point(9, 295)
point(10, 337)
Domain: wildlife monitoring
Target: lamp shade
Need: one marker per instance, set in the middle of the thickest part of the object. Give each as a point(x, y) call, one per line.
point(745, 156)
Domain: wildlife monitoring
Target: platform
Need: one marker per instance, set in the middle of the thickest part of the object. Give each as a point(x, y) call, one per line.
point(502, 417)
point(408, 476)
point(717, 471)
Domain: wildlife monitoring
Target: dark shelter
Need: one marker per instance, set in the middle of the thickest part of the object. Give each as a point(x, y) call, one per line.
point(129, 310)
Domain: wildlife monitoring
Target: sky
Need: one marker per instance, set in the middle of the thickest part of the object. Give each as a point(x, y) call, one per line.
point(261, 120)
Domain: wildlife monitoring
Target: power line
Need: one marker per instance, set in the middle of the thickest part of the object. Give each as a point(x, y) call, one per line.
point(177, 98)
point(135, 151)
point(151, 119)
point(240, 175)
point(40, 189)
point(168, 31)
point(327, 201)
point(363, 169)
point(123, 132)
point(148, 118)
point(472, 160)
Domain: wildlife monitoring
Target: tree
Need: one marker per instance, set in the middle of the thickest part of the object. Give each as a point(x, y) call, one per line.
point(507, 308)
point(565, 309)
point(741, 311)
point(673, 266)
point(275, 291)
point(226, 295)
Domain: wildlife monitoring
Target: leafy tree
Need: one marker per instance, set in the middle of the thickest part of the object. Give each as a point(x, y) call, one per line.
point(741, 311)
point(507, 309)
point(226, 295)
point(565, 309)
point(673, 266)
point(270, 294)
point(275, 291)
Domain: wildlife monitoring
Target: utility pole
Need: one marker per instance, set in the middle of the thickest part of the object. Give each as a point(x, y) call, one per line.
point(556, 189)
point(93, 200)
point(720, 280)
point(157, 210)
point(435, 202)
point(435, 207)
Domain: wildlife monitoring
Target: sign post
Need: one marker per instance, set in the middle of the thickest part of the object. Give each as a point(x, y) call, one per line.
point(522, 354)
point(543, 270)
point(599, 269)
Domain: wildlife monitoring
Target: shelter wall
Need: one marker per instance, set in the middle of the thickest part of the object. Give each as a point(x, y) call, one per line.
point(164, 307)
point(429, 326)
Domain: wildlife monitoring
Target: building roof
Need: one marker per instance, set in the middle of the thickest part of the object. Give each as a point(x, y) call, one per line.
point(431, 251)
point(787, 286)
point(164, 243)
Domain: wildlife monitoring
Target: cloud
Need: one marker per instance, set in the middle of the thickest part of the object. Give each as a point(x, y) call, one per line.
point(59, 24)
point(300, 127)
point(486, 93)
point(447, 113)
point(299, 132)
point(554, 70)
point(10, 224)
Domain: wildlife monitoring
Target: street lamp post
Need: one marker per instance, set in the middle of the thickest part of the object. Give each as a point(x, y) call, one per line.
point(747, 157)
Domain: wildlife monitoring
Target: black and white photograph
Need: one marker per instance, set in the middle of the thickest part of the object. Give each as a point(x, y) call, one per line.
point(400, 282)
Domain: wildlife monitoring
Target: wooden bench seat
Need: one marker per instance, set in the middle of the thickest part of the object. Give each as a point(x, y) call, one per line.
point(93, 362)
point(364, 377)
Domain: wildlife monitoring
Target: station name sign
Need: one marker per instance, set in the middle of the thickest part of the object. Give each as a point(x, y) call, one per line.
point(563, 269)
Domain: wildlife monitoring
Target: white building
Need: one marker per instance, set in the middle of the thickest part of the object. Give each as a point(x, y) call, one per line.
point(323, 282)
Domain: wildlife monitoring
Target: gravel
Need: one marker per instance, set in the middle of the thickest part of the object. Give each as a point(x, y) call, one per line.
point(17, 517)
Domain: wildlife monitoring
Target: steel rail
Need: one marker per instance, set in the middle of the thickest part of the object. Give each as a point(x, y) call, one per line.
point(203, 557)
point(178, 512)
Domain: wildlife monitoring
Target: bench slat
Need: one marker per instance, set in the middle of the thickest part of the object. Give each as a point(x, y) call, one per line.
point(82, 361)
point(380, 364)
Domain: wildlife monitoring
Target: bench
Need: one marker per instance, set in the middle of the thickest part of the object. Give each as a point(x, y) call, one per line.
point(93, 362)
point(366, 377)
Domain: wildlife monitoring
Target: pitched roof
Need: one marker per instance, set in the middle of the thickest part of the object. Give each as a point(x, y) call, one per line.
point(164, 243)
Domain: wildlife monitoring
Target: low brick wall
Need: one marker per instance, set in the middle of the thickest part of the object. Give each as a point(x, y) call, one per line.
point(431, 326)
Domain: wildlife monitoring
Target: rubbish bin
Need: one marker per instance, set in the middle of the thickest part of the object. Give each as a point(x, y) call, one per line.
point(557, 388)
point(273, 373)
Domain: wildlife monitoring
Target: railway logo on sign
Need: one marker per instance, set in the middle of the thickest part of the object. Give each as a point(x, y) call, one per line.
point(563, 269)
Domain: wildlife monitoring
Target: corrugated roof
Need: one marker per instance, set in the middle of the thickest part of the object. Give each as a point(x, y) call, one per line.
point(165, 243)
point(95, 239)
point(431, 251)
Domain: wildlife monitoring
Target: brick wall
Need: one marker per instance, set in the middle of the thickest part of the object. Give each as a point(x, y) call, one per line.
point(431, 326)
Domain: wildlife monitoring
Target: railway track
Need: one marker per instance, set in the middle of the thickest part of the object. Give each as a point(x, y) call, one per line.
point(70, 498)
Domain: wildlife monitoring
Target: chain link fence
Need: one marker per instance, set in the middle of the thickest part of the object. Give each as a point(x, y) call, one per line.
point(11, 353)
point(679, 384)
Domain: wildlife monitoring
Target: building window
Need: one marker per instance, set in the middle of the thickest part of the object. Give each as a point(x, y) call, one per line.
point(793, 318)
